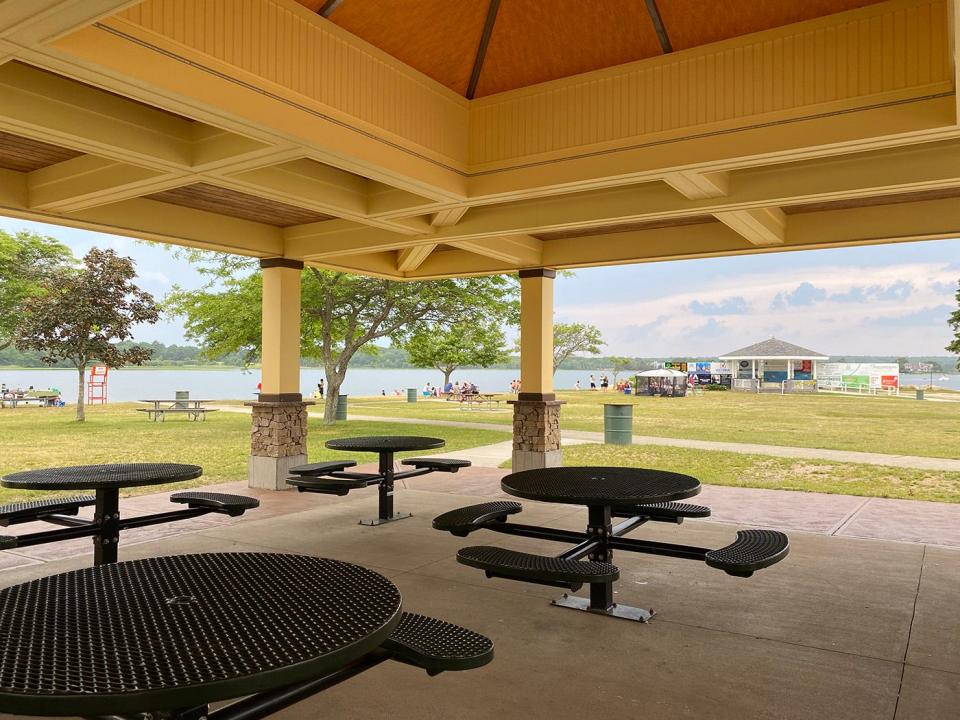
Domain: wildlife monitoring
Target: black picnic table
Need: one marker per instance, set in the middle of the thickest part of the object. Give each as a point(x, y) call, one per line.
point(167, 636)
point(333, 478)
point(637, 495)
point(106, 481)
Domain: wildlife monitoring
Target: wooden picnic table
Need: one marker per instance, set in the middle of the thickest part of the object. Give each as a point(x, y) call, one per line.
point(192, 407)
point(480, 399)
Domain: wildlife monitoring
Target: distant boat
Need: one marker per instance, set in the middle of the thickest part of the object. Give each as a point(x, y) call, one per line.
point(943, 377)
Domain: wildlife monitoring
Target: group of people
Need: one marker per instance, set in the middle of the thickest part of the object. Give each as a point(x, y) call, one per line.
point(515, 386)
point(604, 384)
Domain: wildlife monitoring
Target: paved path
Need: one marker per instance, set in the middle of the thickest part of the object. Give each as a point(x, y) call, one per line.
point(847, 456)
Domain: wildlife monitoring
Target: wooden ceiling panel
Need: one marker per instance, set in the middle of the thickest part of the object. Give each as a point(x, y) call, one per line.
point(437, 37)
point(211, 198)
point(690, 23)
point(26, 155)
point(874, 200)
point(535, 41)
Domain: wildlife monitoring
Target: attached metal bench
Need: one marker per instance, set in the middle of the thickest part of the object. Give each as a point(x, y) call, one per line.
point(232, 505)
point(663, 512)
point(31, 510)
point(437, 646)
point(332, 485)
point(752, 550)
point(538, 569)
point(463, 521)
point(322, 468)
point(437, 464)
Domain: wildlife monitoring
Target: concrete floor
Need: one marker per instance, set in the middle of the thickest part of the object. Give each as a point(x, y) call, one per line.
point(844, 629)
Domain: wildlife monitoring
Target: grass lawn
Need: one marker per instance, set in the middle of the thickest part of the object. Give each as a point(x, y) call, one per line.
point(900, 426)
point(762, 471)
point(49, 437)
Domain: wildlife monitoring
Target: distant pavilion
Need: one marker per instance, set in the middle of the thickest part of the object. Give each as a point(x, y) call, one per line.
point(774, 361)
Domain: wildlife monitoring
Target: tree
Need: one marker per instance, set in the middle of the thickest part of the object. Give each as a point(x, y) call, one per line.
point(618, 364)
point(570, 338)
point(472, 342)
point(27, 260)
point(954, 323)
point(82, 315)
point(341, 314)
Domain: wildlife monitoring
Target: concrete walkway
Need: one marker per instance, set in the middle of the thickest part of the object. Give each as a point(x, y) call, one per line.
point(580, 436)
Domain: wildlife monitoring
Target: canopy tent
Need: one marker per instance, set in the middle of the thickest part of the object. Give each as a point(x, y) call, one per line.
point(663, 382)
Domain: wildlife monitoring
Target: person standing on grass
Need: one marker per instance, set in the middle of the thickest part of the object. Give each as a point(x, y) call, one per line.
point(593, 383)
point(320, 389)
point(576, 385)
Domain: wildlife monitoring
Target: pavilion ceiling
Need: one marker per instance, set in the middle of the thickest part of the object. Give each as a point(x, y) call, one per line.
point(187, 122)
point(533, 41)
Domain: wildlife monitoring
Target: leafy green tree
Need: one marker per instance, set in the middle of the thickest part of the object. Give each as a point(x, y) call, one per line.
point(954, 322)
point(27, 260)
point(80, 317)
point(341, 314)
point(476, 342)
point(571, 338)
point(618, 364)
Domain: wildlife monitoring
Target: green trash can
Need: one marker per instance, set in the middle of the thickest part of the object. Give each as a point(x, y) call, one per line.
point(341, 407)
point(618, 424)
point(411, 394)
point(919, 393)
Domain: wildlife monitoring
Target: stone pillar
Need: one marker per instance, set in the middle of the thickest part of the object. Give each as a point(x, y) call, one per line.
point(278, 442)
point(279, 431)
point(536, 434)
point(536, 411)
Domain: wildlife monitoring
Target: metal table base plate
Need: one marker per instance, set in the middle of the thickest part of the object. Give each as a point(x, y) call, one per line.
point(382, 521)
point(620, 611)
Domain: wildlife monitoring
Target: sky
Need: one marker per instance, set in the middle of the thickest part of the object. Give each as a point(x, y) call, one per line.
point(878, 300)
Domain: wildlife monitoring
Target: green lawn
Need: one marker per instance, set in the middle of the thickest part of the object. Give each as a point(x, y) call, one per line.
point(900, 426)
point(49, 437)
point(762, 471)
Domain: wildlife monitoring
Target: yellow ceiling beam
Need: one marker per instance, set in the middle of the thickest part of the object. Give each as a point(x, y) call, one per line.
point(28, 22)
point(697, 185)
point(89, 180)
point(341, 237)
point(49, 108)
point(449, 216)
point(410, 259)
point(762, 226)
point(518, 250)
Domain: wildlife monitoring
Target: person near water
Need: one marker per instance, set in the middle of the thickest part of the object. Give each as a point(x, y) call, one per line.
point(576, 385)
point(320, 389)
point(593, 383)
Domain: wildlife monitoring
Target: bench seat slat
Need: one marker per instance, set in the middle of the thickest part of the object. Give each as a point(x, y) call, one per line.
point(542, 569)
point(232, 505)
point(30, 510)
point(752, 550)
point(438, 646)
point(463, 521)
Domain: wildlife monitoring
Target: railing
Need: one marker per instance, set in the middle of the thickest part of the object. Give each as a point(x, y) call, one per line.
point(838, 386)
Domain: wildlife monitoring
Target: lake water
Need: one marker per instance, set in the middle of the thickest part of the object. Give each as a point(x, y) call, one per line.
point(235, 384)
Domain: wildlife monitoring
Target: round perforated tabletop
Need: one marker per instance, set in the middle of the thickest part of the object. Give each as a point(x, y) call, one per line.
point(600, 485)
point(101, 477)
point(385, 443)
point(174, 632)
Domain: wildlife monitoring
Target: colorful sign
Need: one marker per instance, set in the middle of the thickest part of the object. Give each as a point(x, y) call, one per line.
point(681, 366)
point(866, 375)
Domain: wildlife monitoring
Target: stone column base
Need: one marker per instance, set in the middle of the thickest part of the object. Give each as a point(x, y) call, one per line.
point(278, 442)
point(536, 434)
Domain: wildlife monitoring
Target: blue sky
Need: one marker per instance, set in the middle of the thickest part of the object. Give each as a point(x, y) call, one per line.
point(879, 300)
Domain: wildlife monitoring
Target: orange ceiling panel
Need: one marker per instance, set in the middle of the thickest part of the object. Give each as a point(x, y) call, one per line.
point(690, 23)
point(437, 37)
point(534, 41)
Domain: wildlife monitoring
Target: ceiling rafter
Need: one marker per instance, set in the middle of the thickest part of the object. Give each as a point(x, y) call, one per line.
point(492, 9)
point(659, 27)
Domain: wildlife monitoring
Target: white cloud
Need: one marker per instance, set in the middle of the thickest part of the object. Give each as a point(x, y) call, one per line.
point(899, 308)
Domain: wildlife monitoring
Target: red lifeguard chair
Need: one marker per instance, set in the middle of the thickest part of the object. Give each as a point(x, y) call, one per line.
point(97, 385)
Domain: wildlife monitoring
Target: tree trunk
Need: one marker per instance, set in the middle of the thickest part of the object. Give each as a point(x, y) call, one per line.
point(447, 372)
point(334, 381)
point(82, 370)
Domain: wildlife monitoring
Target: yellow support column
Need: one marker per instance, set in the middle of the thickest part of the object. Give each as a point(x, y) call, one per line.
point(536, 411)
point(278, 438)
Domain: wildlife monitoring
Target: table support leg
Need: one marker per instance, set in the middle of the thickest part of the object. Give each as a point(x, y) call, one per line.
point(600, 530)
point(385, 489)
point(107, 517)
